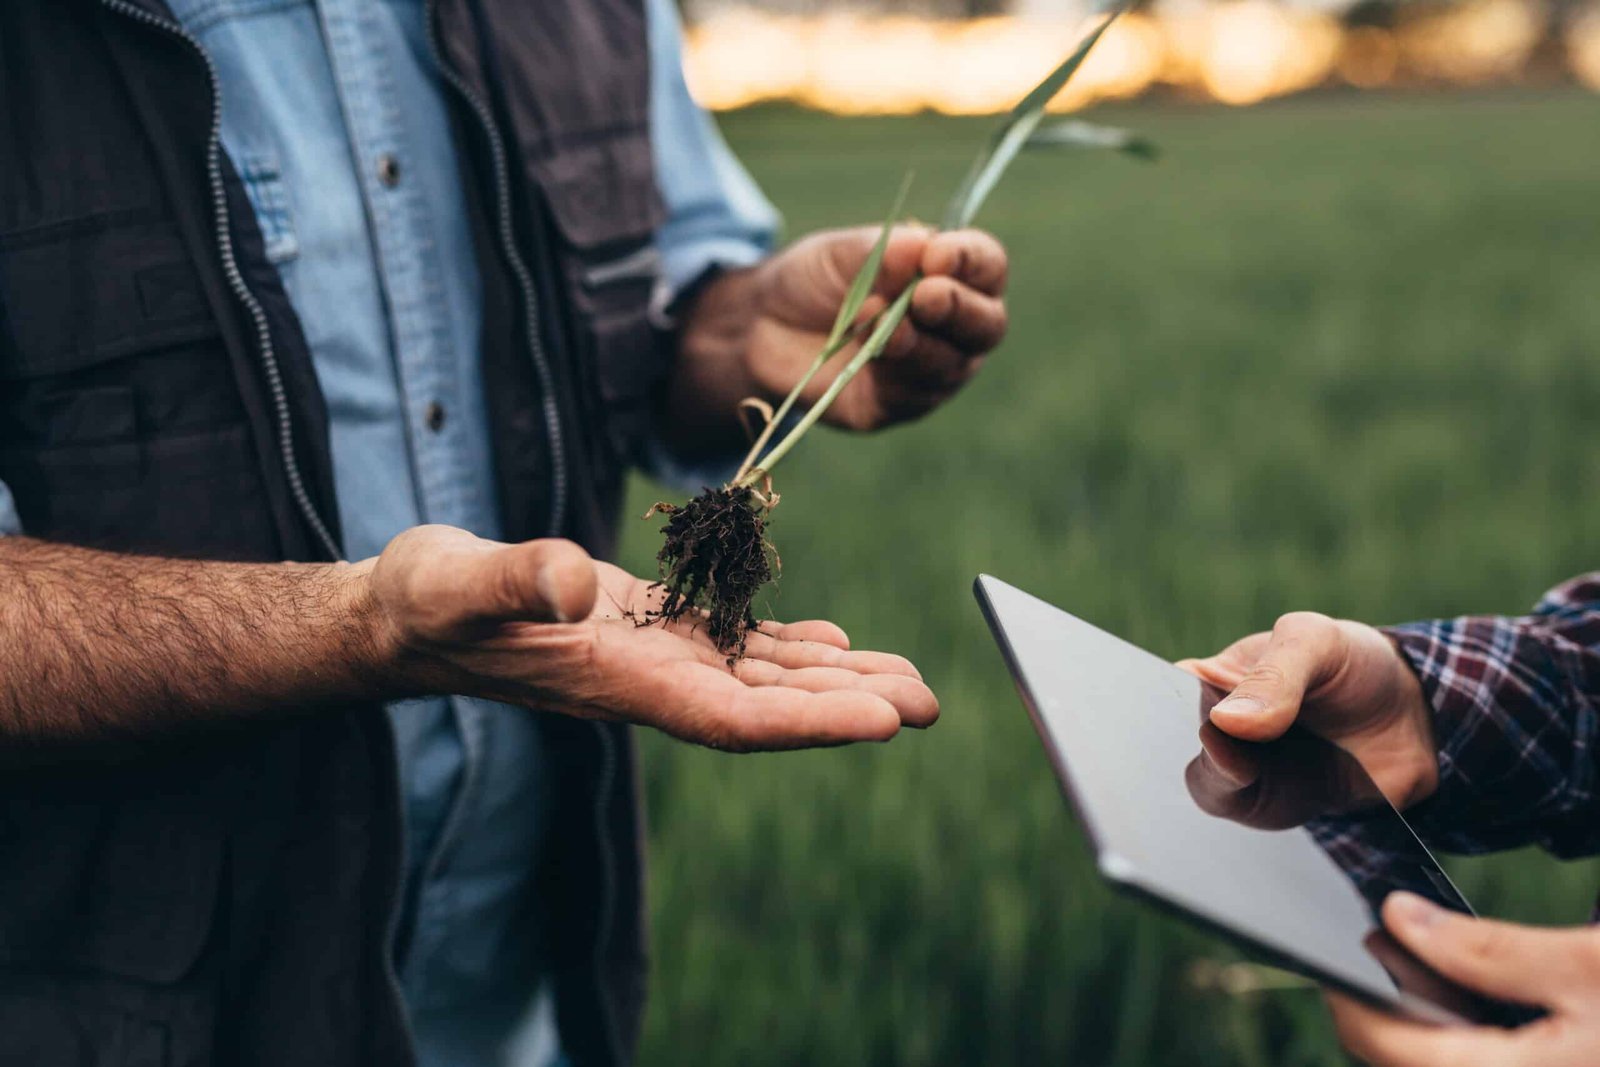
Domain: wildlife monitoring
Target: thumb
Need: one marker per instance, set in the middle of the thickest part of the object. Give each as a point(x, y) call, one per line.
point(1304, 649)
point(549, 580)
point(1522, 964)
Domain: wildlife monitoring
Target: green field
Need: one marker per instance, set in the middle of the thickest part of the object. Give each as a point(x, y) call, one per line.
point(1336, 353)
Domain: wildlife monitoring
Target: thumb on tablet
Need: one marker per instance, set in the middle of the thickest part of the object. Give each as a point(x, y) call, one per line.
point(1303, 649)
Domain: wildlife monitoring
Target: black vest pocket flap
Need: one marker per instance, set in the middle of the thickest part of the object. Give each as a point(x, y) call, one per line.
point(601, 192)
point(113, 870)
point(50, 1028)
point(91, 292)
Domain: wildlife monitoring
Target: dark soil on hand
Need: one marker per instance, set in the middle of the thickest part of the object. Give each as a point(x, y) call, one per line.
point(716, 559)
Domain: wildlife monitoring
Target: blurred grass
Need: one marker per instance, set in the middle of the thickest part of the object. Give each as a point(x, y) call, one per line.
point(1332, 354)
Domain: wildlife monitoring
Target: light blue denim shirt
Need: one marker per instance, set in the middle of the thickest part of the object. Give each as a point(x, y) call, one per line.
point(334, 114)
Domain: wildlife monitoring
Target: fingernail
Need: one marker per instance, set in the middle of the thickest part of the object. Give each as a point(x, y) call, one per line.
point(1412, 911)
point(1240, 706)
point(550, 590)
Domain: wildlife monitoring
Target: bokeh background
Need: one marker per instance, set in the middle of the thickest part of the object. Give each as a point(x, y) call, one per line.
point(1339, 349)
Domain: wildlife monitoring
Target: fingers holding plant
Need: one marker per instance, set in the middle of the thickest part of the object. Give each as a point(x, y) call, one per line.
point(955, 318)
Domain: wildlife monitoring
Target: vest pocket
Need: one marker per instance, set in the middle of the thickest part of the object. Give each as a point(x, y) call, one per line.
point(110, 870)
point(602, 199)
point(622, 357)
point(627, 356)
point(41, 1031)
point(92, 290)
point(121, 425)
point(180, 496)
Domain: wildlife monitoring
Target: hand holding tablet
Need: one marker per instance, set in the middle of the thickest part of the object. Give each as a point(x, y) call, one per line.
point(1284, 845)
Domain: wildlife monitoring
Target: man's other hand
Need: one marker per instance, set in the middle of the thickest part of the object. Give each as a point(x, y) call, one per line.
point(542, 625)
point(1339, 679)
point(1558, 970)
point(957, 317)
point(756, 332)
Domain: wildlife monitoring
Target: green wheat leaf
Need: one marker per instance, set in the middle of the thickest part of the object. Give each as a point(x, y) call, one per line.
point(1075, 133)
point(861, 288)
point(1018, 128)
point(878, 339)
point(871, 347)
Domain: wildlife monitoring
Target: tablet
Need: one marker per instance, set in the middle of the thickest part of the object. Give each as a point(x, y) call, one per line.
point(1286, 848)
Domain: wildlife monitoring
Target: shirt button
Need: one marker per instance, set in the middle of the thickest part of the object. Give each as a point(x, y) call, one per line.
point(388, 170)
point(434, 416)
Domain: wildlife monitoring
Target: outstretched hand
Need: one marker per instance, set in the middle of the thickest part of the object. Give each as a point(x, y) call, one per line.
point(542, 625)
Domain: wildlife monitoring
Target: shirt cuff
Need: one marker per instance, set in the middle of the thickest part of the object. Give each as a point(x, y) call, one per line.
point(685, 264)
point(1499, 728)
point(10, 521)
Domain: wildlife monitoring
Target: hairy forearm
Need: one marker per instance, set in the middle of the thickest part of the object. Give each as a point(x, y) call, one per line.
point(710, 375)
point(100, 647)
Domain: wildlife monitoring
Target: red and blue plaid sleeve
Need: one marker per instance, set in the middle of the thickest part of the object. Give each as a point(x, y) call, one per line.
point(1516, 716)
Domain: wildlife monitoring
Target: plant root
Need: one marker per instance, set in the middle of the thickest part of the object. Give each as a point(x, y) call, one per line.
point(715, 558)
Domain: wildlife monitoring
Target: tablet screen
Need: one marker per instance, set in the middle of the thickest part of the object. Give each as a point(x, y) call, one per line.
point(1286, 846)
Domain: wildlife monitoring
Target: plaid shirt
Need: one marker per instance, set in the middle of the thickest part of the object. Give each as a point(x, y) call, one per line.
point(1516, 711)
point(1516, 706)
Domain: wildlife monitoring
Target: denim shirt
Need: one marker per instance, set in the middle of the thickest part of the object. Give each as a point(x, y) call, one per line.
point(334, 115)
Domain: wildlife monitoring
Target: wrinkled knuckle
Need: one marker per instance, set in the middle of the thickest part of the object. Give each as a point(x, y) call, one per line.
point(827, 655)
point(585, 650)
point(506, 584)
point(1266, 675)
point(1483, 943)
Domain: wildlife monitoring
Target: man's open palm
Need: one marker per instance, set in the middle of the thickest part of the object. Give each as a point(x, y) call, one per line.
point(486, 619)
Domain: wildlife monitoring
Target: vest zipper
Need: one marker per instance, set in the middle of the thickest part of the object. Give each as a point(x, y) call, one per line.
point(530, 297)
point(230, 266)
point(280, 399)
point(558, 503)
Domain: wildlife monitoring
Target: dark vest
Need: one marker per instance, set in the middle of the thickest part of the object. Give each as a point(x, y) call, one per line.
point(227, 897)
